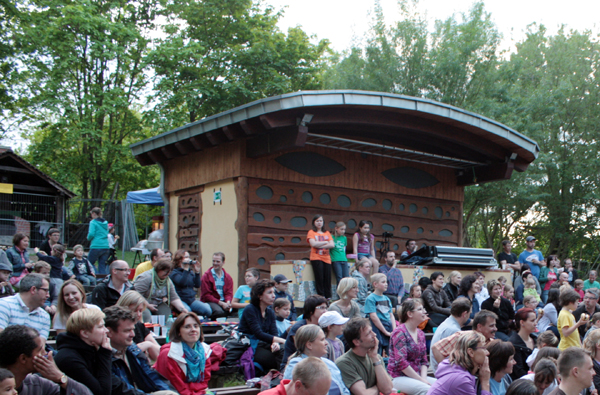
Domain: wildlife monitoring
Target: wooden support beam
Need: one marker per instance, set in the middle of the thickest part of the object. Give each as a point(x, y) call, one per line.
point(34, 188)
point(184, 149)
point(197, 143)
point(212, 138)
point(157, 156)
point(168, 152)
point(228, 133)
point(14, 169)
point(249, 128)
point(479, 175)
point(144, 160)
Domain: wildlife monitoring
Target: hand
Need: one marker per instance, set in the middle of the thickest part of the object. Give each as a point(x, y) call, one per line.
point(484, 371)
point(152, 308)
point(274, 347)
point(36, 250)
point(497, 303)
point(387, 334)
point(47, 368)
point(197, 267)
point(117, 237)
point(51, 310)
point(106, 343)
point(4, 284)
point(372, 353)
point(424, 380)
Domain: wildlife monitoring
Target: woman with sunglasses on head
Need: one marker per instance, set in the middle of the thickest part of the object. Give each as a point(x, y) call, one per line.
point(158, 289)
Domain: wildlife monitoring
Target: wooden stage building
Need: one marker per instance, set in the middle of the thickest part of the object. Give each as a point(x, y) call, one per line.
point(248, 181)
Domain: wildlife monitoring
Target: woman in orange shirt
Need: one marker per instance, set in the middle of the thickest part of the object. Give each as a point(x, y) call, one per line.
point(320, 242)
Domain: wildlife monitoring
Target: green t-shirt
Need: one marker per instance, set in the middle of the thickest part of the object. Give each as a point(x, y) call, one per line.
point(338, 253)
point(587, 284)
point(355, 369)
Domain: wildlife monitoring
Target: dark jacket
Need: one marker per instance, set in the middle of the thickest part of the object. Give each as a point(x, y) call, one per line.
point(505, 313)
point(55, 262)
point(451, 291)
point(185, 281)
point(293, 314)
point(139, 372)
point(105, 296)
point(84, 363)
point(596, 379)
point(522, 352)
point(253, 324)
point(436, 301)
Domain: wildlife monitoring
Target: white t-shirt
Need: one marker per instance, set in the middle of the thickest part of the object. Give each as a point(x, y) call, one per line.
point(58, 324)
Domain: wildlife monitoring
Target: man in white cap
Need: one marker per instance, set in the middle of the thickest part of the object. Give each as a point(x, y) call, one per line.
point(281, 287)
point(333, 325)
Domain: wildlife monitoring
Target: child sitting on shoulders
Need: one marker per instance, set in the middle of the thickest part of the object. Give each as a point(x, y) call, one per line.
point(593, 324)
point(531, 290)
point(81, 267)
point(579, 289)
point(282, 307)
point(56, 261)
point(378, 307)
point(333, 325)
point(241, 298)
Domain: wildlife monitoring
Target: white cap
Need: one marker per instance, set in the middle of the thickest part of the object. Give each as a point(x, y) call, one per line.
point(331, 318)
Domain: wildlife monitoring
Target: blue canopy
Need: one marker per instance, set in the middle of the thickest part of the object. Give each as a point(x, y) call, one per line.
point(146, 196)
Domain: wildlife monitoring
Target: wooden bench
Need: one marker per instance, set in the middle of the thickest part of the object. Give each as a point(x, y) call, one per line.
point(238, 390)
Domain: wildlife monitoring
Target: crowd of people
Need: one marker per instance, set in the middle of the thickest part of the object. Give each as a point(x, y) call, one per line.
point(539, 336)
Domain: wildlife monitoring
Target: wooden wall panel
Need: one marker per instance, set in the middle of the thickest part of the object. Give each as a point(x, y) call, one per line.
point(279, 219)
point(189, 224)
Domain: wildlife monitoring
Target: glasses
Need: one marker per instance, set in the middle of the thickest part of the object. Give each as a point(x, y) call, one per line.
point(322, 307)
point(123, 270)
point(47, 290)
point(590, 297)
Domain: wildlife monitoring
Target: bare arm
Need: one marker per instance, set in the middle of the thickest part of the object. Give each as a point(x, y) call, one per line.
point(355, 244)
point(150, 346)
point(384, 381)
point(567, 330)
point(235, 303)
point(359, 388)
point(319, 244)
point(178, 305)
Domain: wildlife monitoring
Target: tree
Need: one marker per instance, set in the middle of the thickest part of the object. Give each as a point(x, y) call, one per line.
point(85, 63)
point(221, 54)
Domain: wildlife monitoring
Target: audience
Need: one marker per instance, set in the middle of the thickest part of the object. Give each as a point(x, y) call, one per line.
point(483, 293)
point(27, 307)
point(592, 325)
point(545, 340)
point(533, 257)
point(185, 360)
point(109, 290)
point(408, 352)
point(576, 371)
point(51, 304)
point(129, 363)
point(310, 342)
point(362, 368)
point(548, 275)
point(460, 311)
point(314, 307)
point(34, 370)
point(544, 372)
point(156, 286)
point(451, 289)
point(155, 255)
point(571, 272)
point(523, 341)
point(501, 307)
point(217, 287)
point(567, 327)
point(333, 325)
point(501, 361)
point(522, 387)
point(346, 306)
point(281, 287)
point(258, 323)
point(469, 287)
point(395, 290)
point(241, 298)
point(435, 300)
point(186, 278)
point(144, 338)
point(591, 344)
point(84, 351)
point(378, 307)
point(361, 274)
point(468, 361)
point(70, 299)
point(589, 306)
point(310, 376)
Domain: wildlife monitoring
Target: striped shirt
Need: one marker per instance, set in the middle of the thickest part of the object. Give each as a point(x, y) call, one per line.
point(219, 283)
point(13, 311)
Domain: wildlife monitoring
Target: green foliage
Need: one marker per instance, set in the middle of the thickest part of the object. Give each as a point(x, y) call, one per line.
point(218, 55)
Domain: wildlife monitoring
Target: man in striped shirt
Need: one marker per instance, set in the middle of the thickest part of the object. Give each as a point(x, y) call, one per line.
point(27, 307)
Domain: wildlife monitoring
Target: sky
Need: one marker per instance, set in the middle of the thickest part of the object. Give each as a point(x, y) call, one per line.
point(345, 22)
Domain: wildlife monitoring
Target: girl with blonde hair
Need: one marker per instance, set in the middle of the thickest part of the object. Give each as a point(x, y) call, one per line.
point(144, 339)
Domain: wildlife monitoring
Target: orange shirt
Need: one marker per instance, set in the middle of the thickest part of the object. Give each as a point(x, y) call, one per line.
point(319, 254)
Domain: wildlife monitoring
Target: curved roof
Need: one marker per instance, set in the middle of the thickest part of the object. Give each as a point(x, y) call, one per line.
point(375, 123)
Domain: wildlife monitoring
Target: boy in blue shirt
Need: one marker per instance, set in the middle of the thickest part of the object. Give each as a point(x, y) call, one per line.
point(378, 308)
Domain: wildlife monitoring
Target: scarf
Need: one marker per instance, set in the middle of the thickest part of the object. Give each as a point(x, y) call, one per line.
point(196, 362)
point(156, 281)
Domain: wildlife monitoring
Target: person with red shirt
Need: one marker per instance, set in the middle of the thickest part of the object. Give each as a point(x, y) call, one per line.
point(310, 377)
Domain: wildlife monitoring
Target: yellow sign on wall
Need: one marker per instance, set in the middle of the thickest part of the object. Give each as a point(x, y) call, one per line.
point(6, 188)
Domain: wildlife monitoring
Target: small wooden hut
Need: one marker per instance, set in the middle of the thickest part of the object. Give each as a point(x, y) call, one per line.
point(248, 181)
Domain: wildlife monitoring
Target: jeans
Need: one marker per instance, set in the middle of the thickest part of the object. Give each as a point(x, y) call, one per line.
point(341, 270)
point(100, 255)
point(545, 296)
point(198, 307)
point(86, 279)
point(410, 386)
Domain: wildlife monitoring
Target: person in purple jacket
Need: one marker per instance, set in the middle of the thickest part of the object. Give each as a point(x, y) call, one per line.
point(458, 374)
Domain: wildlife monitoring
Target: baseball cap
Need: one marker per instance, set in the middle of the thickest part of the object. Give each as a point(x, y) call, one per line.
point(280, 278)
point(331, 318)
point(530, 238)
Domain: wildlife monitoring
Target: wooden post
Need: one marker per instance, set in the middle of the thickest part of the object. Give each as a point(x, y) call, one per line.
point(241, 224)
